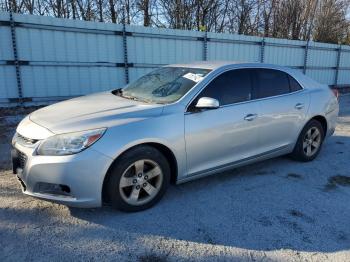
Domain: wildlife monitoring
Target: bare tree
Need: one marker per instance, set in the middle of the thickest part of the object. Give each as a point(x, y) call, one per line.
point(112, 11)
point(320, 20)
point(331, 23)
point(145, 8)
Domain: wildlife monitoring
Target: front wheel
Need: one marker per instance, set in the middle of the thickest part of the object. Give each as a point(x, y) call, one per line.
point(138, 179)
point(309, 142)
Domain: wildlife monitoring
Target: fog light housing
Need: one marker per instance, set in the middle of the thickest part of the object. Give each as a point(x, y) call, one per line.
point(52, 189)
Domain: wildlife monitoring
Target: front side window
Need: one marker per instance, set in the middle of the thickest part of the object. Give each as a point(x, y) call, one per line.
point(230, 87)
point(164, 85)
point(271, 82)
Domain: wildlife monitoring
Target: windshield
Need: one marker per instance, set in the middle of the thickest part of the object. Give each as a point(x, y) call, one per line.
point(164, 85)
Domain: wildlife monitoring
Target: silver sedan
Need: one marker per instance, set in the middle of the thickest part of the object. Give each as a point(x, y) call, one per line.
point(177, 123)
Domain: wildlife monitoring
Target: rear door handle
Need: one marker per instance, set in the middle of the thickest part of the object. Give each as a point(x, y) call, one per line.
point(299, 106)
point(250, 117)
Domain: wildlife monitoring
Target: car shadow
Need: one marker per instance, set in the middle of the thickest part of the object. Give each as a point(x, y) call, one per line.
point(271, 205)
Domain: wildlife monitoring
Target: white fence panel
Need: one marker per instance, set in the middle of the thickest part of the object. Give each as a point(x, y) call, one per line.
point(325, 55)
point(323, 76)
point(344, 77)
point(345, 57)
point(8, 86)
point(162, 46)
point(233, 47)
point(61, 58)
point(284, 52)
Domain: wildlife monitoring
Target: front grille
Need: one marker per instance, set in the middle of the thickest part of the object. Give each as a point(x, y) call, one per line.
point(22, 159)
point(25, 140)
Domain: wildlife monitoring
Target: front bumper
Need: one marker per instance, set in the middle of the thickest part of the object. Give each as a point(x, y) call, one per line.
point(81, 173)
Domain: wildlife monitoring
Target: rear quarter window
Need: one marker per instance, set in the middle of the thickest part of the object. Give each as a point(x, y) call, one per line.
point(294, 85)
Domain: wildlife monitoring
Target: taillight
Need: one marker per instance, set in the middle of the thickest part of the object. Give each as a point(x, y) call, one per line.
point(336, 93)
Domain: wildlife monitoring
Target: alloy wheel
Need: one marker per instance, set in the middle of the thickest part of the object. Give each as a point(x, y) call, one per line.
point(312, 141)
point(140, 182)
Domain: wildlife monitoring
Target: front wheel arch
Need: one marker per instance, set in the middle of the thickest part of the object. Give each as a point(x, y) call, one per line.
point(166, 151)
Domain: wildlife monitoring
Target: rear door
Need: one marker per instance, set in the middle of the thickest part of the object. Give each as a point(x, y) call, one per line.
point(283, 107)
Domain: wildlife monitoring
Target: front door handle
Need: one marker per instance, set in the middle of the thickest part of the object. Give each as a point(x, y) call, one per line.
point(250, 117)
point(299, 106)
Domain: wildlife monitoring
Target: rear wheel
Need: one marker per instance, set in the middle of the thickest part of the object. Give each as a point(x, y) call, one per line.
point(309, 142)
point(138, 179)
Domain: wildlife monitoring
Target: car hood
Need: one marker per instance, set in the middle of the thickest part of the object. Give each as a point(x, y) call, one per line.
point(93, 111)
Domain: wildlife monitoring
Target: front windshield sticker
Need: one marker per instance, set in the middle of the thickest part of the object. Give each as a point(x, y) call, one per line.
point(194, 77)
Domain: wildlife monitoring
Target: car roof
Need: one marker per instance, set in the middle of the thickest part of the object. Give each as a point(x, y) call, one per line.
point(218, 64)
point(214, 65)
point(206, 64)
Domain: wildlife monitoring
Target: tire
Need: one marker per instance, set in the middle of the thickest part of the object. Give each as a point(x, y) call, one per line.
point(131, 187)
point(301, 150)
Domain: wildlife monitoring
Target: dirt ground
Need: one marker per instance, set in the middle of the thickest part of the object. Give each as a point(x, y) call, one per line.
point(277, 210)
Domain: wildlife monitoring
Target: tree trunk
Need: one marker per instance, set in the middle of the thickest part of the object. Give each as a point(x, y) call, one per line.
point(113, 12)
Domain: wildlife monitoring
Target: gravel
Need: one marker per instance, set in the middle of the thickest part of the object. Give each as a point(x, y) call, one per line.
point(276, 210)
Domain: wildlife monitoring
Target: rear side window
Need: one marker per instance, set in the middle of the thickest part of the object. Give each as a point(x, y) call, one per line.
point(230, 87)
point(271, 82)
point(294, 85)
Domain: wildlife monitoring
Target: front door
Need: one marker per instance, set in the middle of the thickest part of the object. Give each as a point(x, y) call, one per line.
point(219, 137)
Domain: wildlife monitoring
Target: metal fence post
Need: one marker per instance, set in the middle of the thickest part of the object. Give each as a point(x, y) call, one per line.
point(205, 45)
point(262, 50)
point(15, 56)
point(306, 57)
point(125, 47)
point(337, 67)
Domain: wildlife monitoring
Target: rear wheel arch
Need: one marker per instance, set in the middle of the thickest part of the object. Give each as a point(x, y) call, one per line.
point(321, 119)
point(303, 142)
point(323, 122)
point(166, 151)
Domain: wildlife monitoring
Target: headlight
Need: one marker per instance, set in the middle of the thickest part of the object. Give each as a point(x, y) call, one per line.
point(70, 143)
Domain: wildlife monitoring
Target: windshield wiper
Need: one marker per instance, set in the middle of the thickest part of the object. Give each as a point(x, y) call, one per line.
point(119, 92)
point(139, 99)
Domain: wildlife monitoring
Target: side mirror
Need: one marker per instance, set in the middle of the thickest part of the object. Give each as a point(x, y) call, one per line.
point(207, 103)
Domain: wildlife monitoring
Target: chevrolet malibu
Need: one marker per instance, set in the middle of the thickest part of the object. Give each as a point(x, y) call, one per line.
point(177, 123)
